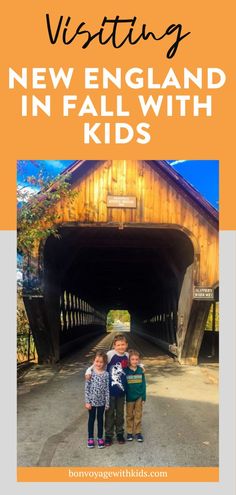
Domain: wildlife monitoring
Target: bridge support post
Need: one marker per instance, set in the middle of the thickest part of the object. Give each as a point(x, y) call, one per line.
point(195, 331)
point(37, 315)
point(192, 318)
point(41, 304)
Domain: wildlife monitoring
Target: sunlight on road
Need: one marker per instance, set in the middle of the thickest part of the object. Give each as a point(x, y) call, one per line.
point(176, 382)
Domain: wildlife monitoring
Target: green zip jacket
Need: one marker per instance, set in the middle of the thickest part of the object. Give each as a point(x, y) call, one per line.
point(135, 384)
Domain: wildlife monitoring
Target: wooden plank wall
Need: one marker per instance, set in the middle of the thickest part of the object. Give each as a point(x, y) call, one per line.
point(158, 201)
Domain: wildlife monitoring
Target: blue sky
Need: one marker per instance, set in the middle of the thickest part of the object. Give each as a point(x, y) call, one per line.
point(201, 174)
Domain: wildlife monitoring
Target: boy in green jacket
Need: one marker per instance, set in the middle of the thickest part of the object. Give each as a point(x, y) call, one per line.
point(135, 396)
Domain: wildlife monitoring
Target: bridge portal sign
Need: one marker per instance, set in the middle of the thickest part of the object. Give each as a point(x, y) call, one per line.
point(203, 293)
point(121, 202)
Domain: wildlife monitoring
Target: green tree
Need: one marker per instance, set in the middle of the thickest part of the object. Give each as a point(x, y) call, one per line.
point(110, 318)
point(210, 318)
point(37, 216)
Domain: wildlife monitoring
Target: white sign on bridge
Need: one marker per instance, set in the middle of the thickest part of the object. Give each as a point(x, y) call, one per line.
point(121, 202)
point(203, 293)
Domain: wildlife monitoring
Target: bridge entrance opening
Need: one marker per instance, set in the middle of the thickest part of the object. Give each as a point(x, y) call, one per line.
point(118, 320)
point(92, 269)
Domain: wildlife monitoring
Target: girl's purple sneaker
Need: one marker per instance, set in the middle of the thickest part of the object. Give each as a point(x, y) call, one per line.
point(90, 443)
point(101, 443)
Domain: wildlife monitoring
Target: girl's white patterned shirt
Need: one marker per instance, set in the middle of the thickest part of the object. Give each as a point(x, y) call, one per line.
point(97, 389)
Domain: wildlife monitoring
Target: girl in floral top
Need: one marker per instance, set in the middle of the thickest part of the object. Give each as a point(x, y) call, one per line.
point(97, 398)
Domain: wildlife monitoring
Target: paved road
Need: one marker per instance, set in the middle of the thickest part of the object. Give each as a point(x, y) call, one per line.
point(180, 421)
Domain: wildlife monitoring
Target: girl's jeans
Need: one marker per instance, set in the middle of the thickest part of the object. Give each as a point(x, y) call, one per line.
point(99, 411)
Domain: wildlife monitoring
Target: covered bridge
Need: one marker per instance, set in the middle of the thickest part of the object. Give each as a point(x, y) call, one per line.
point(137, 236)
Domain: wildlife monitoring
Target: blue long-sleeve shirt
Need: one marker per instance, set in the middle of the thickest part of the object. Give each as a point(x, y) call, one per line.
point(115, 367)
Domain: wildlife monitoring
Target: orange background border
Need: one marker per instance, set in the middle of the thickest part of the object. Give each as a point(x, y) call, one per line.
point(174, 474)
point(25, 44)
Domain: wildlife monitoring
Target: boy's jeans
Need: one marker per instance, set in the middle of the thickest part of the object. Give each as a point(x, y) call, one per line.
point(114, 417)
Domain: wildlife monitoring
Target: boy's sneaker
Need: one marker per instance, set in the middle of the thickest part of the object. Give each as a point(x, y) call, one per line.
point(129, 437)
point(120, 438)
point(139, 437)
point(108, 441)
point(101, 443)
point(90, 443)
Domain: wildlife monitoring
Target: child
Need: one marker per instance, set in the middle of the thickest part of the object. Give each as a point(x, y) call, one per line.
point(117, 360)
point(135, 396)
point(97, 398)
